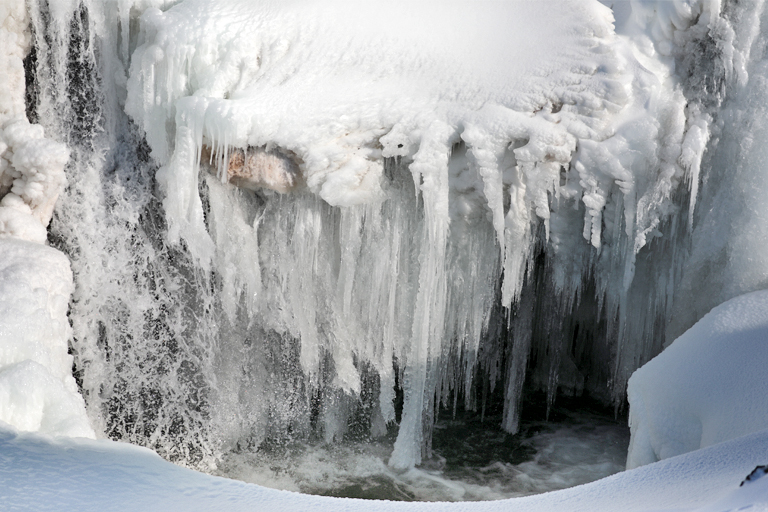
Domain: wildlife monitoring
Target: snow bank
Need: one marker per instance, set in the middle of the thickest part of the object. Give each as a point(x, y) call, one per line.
point(37, 473)
point(708, 386)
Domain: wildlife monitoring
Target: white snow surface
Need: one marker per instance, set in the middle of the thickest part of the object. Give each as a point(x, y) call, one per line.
point(41, 473)
point(708, 386)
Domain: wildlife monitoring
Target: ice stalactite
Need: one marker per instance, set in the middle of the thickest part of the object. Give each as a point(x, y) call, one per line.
point(447, 217)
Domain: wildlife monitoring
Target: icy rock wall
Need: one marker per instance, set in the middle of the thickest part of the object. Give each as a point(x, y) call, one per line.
point(727, 251)
point(37, 390)
point(476, 211)
point(701, 390)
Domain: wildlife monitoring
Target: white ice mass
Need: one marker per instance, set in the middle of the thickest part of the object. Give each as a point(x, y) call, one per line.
point(316, 221)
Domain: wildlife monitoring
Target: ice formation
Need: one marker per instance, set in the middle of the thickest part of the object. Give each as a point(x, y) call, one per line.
point(452, 205)
point(37, 390)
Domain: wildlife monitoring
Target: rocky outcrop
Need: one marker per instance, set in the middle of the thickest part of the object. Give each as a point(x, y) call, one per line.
point(257, 167)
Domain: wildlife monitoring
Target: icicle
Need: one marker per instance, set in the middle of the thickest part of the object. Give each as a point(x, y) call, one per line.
point(430, 170)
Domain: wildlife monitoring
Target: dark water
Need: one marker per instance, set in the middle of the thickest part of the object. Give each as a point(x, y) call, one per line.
point(472, 460)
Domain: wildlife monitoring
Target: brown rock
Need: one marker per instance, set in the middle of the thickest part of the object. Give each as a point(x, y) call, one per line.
point(255, 168)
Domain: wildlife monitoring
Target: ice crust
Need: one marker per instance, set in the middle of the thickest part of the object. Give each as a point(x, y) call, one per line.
point(707, 387)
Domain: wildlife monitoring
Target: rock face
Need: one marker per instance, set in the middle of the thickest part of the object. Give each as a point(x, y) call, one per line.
point(254, 168)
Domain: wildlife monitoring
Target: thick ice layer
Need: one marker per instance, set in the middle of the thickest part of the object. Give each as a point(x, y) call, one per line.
point(708, 386)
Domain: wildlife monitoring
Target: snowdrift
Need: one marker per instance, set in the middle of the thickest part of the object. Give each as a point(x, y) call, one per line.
point(40, 473)
point(708, 386)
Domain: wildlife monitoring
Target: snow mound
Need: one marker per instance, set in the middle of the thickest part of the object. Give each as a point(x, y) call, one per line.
point(708, 386)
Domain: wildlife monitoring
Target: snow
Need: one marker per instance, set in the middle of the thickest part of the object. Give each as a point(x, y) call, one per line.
point(708, 386)
point(42, 473)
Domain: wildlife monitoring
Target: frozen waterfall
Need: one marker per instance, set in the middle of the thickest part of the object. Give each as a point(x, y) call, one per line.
point(316, 220)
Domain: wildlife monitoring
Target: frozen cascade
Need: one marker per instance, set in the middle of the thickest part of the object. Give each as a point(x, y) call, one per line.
point(476, 215)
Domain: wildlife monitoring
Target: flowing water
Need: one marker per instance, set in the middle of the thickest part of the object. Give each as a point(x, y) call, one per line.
point(471, 460)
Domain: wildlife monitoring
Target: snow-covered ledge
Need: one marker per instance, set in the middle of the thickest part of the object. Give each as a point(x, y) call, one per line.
point(37, 390)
